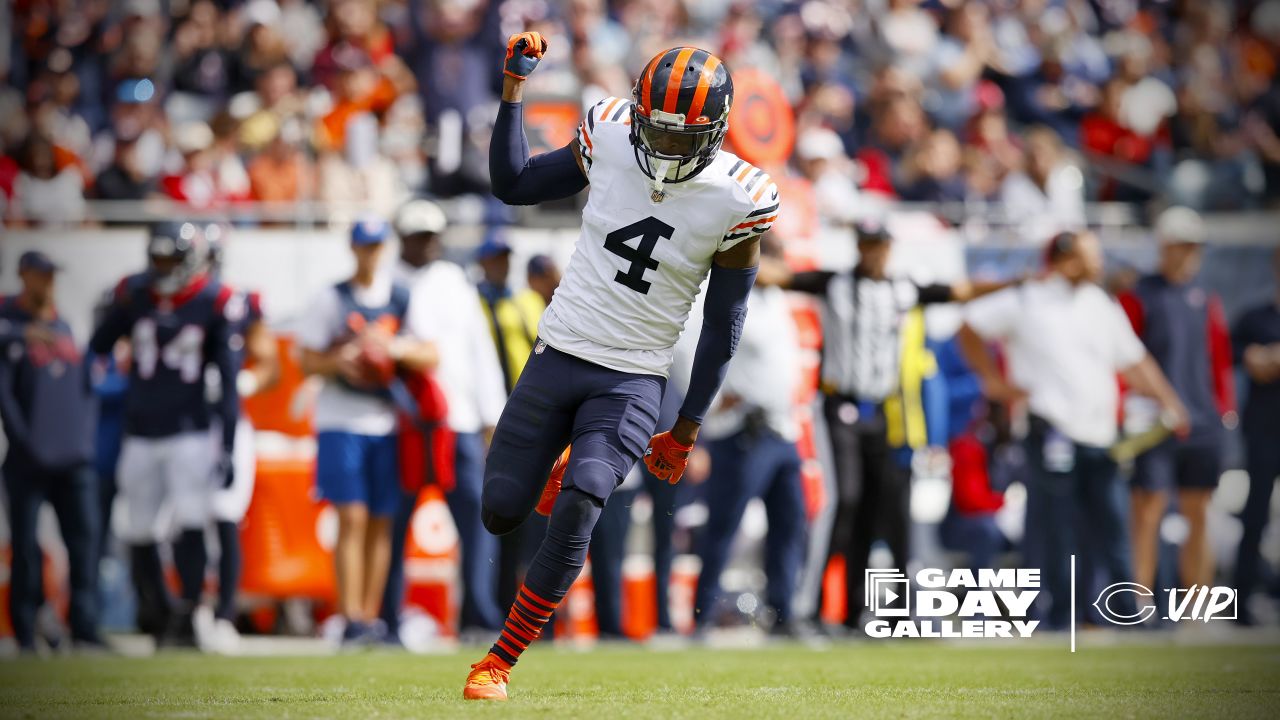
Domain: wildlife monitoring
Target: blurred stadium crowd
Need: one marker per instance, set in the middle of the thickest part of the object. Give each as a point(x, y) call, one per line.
point(1024, 111)
point(1040, 104)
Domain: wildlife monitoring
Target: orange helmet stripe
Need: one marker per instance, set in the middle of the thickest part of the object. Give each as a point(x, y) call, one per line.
point(673, 84)
point(646, 84)
point(704, 84)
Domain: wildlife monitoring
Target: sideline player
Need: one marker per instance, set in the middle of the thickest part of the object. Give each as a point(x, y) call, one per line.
point(178, 321)
point(668, 208)
point(258, 363)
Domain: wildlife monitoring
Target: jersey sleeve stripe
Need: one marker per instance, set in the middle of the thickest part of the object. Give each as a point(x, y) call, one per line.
point(609, 108)
point(755, 179)
point(735, 167)
point(763, 211)
point(743, 173)
point(586, 138)
point(761, 191)
point(748, 224)
point(622, 108)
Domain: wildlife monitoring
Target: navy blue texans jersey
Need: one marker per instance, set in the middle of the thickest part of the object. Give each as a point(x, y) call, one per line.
point(173, 339)
point(46, 400)
point(243, 309)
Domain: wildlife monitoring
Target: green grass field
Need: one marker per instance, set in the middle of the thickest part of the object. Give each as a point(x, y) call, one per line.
point(900, 680)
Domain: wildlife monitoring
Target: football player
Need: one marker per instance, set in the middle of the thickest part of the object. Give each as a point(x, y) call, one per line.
point(178, 321)
point(667, 209)
point(258, 360)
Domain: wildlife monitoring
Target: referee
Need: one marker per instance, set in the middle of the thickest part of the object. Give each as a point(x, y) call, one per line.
point(864, 310)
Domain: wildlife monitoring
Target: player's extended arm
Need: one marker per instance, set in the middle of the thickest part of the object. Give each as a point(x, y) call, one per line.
point(218, 350)
point(264, 354)
point(966, 290)
point(518, 179)
point(414, 354)
point(1146, 377)
point(733, 272)
point(15, 425)
point(116, 323)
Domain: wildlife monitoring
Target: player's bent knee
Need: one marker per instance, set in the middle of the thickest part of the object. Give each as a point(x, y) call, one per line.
point(497, 524)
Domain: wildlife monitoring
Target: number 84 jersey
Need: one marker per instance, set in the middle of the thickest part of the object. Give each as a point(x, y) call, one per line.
point(643, 255)
point(172, 340)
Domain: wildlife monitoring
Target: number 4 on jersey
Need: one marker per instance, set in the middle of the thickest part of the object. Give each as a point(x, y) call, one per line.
point(641, 256)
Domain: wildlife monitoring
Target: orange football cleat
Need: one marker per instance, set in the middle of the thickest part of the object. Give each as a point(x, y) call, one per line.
point(555, 481)
point(488, 679)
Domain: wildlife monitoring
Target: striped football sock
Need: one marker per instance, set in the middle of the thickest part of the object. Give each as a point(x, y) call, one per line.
point(529, 614)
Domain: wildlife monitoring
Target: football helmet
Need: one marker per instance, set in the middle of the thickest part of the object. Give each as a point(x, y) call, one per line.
point(215, 235)
point(175, 255)
point(680, 114)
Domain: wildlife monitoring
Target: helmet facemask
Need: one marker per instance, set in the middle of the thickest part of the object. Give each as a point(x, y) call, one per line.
point(174, 259)
point(669, 150)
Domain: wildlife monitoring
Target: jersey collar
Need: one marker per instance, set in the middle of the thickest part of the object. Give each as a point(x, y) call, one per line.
point(183, 296)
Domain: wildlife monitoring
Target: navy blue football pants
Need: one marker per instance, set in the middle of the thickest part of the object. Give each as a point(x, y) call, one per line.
point(607, 415)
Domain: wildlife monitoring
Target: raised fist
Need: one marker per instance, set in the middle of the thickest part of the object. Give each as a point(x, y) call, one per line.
point(524, 50)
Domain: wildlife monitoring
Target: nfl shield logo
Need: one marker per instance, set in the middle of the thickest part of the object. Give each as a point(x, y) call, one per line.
point(657, 196)
point(537, 349)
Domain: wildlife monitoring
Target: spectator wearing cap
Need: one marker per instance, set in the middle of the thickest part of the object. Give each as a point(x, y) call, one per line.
point(1256, 339)
point(47, 406)
point(1064, 341)
point(512, 317)
point(1184, 328)
point(352, 337)
point(444, 309)
point(863, 314)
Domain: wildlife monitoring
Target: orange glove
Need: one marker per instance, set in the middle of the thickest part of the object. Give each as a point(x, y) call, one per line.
point(666, 457)
point(524, 50)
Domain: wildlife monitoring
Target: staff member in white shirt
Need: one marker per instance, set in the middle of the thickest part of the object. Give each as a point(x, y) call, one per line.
point(752, 431)
point(1065, 340)
point(345, 334)
point(444, 308)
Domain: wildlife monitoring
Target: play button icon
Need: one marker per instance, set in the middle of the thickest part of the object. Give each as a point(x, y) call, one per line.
point(890, 596)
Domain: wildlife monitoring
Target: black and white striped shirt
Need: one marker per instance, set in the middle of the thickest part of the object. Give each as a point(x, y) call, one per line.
point(861, 321)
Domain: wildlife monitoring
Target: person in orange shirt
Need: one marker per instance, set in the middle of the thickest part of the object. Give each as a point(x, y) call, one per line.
point(281, 172)
point(357, 91)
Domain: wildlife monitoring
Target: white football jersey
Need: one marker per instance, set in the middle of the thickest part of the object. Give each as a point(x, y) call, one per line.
point(640, 261)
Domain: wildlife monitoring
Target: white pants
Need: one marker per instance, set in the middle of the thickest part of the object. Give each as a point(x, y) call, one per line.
point(230, 504)
point(165, 485)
